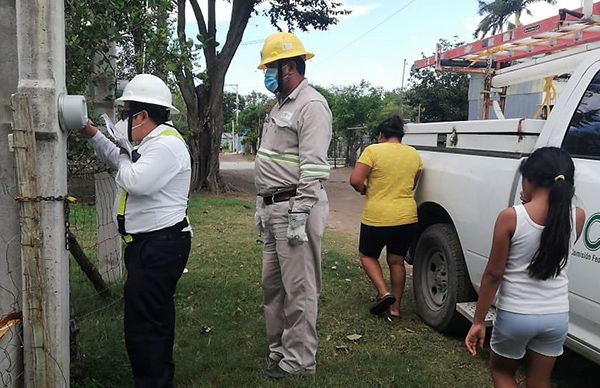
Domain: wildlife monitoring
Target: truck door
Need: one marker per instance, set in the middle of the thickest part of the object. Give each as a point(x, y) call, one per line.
point(582, 141)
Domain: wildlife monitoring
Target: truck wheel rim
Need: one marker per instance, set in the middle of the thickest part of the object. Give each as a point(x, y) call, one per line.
point(436, 280)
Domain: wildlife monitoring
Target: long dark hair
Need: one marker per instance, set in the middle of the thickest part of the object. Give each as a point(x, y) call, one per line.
point(553, 168)
point(392, 127)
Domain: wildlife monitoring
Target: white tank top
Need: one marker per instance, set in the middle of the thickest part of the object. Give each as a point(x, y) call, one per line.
point(520, 293)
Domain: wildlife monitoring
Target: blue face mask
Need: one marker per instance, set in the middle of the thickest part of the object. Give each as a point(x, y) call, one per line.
point(271, 80)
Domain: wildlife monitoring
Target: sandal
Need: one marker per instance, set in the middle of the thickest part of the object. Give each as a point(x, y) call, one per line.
point(382, 304)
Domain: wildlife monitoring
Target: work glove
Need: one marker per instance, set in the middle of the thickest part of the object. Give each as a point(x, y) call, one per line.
point(259, 216)
point(296, 232)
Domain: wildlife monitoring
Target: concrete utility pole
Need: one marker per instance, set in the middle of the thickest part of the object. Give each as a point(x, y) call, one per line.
point(41, 59)
point(10, 265)
point(403, 70)
point(237, 112)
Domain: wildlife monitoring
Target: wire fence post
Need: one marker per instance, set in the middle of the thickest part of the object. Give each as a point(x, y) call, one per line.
point(34, 304)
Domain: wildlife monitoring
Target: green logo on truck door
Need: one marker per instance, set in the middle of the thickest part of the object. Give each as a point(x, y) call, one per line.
point(592, 241)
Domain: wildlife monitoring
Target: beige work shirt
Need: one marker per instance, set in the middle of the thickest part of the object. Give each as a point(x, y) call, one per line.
point(293, 148)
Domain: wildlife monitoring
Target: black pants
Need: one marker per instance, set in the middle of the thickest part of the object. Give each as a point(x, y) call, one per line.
point(154, 266)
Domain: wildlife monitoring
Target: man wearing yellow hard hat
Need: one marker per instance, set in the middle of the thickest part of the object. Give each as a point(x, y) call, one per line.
point(292, 206)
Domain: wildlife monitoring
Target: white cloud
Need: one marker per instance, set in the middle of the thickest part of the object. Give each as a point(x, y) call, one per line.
point(358, 10)
point(541, 10)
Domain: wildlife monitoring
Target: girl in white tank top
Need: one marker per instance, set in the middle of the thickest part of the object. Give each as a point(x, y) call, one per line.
point(527, 269)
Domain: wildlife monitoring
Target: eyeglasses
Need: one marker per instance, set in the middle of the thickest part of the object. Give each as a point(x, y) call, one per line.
point(123, 114)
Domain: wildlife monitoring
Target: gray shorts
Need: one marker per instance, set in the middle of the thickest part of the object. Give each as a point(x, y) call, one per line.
point(514, 333)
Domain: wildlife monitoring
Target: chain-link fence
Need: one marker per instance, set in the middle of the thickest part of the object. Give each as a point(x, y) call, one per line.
point(11, 342)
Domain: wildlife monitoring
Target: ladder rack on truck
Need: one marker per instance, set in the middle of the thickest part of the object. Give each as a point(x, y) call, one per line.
point(571, 33)
point(529, 41)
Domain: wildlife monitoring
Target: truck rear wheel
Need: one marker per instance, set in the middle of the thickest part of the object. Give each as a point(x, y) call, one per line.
point(441, 279)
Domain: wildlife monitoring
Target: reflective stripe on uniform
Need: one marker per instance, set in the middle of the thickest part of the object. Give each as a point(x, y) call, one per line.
point(124, 194)
point(283, 158)
point(121, 216)
point(172, 132)
point(315, 170)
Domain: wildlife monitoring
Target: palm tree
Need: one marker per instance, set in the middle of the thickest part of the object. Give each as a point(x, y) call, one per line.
point(497, 13)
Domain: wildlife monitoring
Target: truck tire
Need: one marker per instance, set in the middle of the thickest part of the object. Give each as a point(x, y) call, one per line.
point(441, 279)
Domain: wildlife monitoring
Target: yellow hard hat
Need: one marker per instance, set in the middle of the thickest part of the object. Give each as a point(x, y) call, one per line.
point(282, 45)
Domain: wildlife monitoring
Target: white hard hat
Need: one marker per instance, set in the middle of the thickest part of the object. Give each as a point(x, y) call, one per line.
point(149, 89)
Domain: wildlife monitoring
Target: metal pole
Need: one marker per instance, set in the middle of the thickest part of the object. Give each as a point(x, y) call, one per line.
point(237, 112)
point(232, 136)
point(41, 58)
point(403, 69)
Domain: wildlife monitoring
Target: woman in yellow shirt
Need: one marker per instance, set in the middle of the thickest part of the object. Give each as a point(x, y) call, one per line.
point(387, 173)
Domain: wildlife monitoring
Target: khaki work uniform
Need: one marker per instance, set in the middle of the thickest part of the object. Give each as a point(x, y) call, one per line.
point(291, 165)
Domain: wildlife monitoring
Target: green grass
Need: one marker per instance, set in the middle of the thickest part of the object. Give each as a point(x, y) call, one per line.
point(220, 336)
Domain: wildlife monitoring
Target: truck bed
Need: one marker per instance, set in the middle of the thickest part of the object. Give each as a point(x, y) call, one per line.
point(508, 135)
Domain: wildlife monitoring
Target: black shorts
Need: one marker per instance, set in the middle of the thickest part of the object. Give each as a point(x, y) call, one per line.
point(397, 239)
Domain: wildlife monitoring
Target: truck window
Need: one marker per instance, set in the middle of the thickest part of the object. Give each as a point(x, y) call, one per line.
point(583, 136)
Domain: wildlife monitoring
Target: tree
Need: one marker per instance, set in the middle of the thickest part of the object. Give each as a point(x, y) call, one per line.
point(253, 116)
point(94, 31)
point(497, 13)
point(140, 29)
point(204, 102)
point(356, 110)
point(439, 96)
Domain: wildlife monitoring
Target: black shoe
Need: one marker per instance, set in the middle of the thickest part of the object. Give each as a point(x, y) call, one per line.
point(277, 373)
point(382, 304)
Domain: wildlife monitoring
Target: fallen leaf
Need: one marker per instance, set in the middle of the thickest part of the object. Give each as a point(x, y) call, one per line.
point(354, 337)
point(348, 280)
point(334, 267)
point(328, 338)
point(409, 330)
point(341, 348)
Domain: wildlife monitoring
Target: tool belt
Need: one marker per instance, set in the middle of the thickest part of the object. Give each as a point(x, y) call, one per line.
point(279, 196)
point(164, 234)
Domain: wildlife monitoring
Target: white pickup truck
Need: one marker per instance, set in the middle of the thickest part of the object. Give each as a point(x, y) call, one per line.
point(471, 174)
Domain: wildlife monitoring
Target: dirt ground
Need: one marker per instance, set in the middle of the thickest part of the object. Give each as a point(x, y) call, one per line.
point(345, 205)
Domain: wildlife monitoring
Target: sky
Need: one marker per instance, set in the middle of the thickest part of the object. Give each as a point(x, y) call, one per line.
point(371, 43)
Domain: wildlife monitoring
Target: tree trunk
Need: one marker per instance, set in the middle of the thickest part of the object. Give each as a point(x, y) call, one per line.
point(205, 102)
point(210, 134)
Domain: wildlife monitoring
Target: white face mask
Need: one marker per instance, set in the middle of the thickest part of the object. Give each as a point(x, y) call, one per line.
point(121, 126)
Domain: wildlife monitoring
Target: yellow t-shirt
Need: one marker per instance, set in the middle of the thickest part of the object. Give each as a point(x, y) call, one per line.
point(390, 200)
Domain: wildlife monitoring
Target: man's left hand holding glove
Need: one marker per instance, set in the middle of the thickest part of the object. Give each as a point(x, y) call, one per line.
point(296, 232)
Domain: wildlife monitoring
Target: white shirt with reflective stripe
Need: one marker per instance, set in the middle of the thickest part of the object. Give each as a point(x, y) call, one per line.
point(158, 183)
